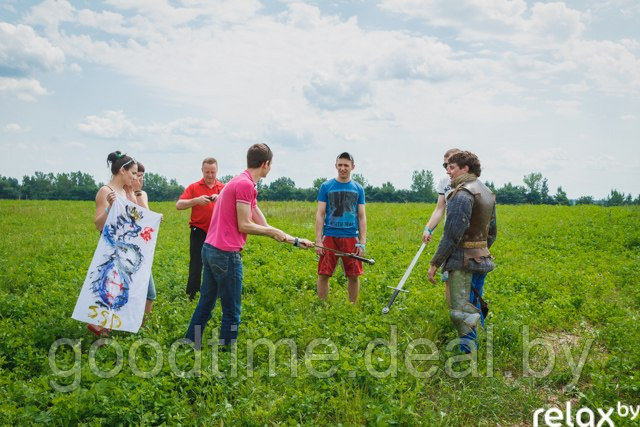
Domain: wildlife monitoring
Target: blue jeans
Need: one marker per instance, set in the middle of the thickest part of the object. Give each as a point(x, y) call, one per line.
point(477, 283)
point(221, 276)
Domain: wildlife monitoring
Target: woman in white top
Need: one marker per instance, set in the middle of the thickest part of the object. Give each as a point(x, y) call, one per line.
point(443, 188)
point(124, 171)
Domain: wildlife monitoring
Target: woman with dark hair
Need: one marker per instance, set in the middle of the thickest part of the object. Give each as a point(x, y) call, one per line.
point(124, 171)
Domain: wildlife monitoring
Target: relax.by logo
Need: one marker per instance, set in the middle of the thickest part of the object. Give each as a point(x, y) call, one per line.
point(554, 417)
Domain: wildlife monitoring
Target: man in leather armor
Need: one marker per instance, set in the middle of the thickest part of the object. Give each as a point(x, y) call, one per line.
point(470, 230)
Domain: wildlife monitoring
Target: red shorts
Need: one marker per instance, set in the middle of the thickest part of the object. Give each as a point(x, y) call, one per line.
point(327, 263)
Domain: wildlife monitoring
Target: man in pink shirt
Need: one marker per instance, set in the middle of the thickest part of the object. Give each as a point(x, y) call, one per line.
point(236, 215)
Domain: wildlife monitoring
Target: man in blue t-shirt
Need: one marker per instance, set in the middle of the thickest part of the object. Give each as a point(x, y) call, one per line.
point(341, 223)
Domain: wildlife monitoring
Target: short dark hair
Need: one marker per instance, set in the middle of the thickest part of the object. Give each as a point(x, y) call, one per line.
point(347, 156)
point(467, 158)
point(118, 160)
point(258, 154)
point(140, 167)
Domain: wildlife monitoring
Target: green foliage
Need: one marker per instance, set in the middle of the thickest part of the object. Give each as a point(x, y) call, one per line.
point(9, 188)
point(160, 189)
point(360, 179)
point(319, 181)
point(585, 200)
point(561, 197)
point(62, 186)
point(569, 273)
point(423, 185)
point(537, 189)
point(80, 186)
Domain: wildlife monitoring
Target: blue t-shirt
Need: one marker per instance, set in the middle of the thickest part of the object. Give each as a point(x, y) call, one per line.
point(342, 199)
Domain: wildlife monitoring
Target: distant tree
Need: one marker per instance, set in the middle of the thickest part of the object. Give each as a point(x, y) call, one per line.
point(282, 188)
point(491, 186)
point(75, 186)
point(387, 192)
point(422, 184)
point(39, 186)
point(628, 200)
point(225, 178)
point(585, 200)
point(158, 188)
point(614, 199)
point(404, 196)
point(360, 179)
point(561, 197)
point(510, 194)
point(318, 182)
point(537, 188)
point(636, 201)
point(9, 188)
point(545, 198)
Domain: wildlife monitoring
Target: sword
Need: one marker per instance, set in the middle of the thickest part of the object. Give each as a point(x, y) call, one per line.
point(398, 288)
point(340, 253)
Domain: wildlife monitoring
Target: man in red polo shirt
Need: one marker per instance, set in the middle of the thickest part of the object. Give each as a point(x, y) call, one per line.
point(201, 198)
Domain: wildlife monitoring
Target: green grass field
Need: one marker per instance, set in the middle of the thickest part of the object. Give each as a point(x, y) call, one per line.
point(566, 276)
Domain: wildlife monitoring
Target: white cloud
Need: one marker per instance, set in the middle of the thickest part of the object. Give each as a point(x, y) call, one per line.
point(186, 132)
point(23, 89)
point(506, 20)
point(50, 13)
point(555, 22)
point(13, 128)
point(538, 160)
point(610, 65)
point(499, 14)
point(569, 108)
point(22, 50)
point(75, 145)
point(408, 57)
point(337, 93)
point(112, 124)
point(187, 126)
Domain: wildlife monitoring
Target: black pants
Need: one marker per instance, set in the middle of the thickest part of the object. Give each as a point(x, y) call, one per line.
point(195, 263)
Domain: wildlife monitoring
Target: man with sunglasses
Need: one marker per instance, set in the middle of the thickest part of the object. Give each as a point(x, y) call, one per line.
point(470, 230)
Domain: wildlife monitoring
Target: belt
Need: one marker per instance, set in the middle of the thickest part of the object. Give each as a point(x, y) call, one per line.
point(474, 245)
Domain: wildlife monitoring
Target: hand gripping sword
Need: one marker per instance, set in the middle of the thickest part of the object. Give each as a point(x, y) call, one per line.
point(398, 288)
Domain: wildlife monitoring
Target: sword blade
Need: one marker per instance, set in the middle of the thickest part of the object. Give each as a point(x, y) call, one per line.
point(398, 288)
point(413, 263)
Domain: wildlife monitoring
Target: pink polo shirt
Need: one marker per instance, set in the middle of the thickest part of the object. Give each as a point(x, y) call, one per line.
point(223, 230)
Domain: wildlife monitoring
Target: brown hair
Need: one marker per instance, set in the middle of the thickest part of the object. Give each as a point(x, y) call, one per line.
point(467, 158)
point(140, 167)
point(258, 154)
point(209, 161)
point(118, 160)
point(451, 151)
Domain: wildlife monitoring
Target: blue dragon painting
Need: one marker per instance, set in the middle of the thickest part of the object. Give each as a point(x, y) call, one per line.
point(113, 277)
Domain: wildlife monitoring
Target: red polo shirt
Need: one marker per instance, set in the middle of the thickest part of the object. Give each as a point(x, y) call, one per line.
point(201, 215)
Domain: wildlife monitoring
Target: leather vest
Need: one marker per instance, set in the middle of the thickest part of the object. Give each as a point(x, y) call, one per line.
point(483, 202)
point(474, 240)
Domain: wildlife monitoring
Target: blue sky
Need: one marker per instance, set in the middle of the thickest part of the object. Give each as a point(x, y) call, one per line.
point(550, 87)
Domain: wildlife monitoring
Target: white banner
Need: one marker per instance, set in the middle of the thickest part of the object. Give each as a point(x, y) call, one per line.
point(115, 290)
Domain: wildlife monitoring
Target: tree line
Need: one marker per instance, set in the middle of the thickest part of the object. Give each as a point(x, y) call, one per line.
point(82, 186)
